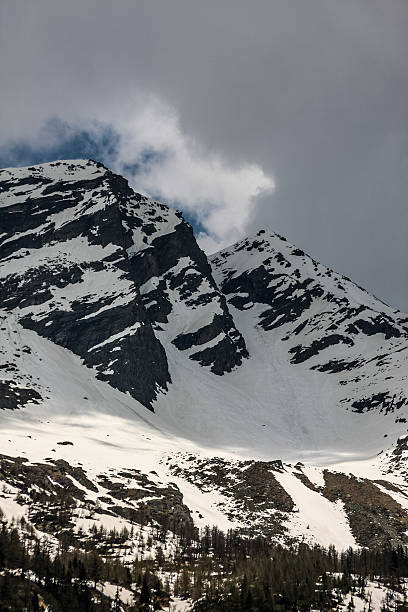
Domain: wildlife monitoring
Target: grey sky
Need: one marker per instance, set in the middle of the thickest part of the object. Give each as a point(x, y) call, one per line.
point(311, 95)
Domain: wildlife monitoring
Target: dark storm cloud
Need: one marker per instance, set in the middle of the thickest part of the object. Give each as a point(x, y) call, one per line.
point(312, 93)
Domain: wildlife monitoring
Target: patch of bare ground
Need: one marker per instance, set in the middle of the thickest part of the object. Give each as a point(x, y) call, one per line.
point(375, 518)
point(54, 491)
point(253, 495)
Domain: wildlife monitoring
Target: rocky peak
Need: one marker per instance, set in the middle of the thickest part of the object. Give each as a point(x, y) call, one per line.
point(324, 320)
point(78, 249)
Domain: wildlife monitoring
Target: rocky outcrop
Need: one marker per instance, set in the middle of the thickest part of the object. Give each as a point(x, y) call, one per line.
point(178, 289)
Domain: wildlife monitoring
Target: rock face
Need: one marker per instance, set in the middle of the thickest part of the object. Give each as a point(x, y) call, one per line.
point(177, 288)
point(95, 267)
point(323, 321)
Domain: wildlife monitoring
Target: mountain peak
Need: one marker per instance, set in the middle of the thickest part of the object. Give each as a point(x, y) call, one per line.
point(66, 170)
point(90, 264)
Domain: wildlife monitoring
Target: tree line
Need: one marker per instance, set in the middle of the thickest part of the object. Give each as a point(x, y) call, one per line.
point(216, 570)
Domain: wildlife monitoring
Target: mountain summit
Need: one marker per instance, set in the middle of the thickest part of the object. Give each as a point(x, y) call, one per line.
point(101, 270)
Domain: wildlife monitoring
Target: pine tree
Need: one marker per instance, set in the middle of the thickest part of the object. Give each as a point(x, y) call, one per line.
point(145, 595)
point(116, 606)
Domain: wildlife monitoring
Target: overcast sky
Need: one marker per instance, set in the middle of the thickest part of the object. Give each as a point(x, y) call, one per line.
point(287, 114)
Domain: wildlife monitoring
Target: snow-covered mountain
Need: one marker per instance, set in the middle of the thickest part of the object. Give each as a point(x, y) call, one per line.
point(254, 389)
point(311, 319)
point(98, 269)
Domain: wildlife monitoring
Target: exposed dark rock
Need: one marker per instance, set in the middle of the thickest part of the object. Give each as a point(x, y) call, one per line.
point(384, 401)
point(87, 326)
point(302, 353)
point(402, 446)
point(377, 325)
point(278, 288)
point(196, 287)
point(12, 396)
point(163, 504)
point(337, 365)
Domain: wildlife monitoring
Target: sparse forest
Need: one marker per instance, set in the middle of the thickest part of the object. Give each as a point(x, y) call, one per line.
point(215, 571)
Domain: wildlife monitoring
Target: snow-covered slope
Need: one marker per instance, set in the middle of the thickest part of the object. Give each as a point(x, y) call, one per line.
point(271, 377)
point(325, 321)
point(120, 467)
point(333, 350)
point(90, 264)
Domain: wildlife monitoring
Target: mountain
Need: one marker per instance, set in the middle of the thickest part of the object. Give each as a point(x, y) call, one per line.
point(326, 341)
point(160, 388)
point(98, 269)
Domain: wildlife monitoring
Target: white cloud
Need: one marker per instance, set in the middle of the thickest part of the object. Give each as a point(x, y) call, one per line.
point(162, 161)
point(207, 243)
point(220, 197)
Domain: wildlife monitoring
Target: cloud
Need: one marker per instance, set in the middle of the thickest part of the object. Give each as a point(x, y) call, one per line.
point(219, 196)
point(147, 146)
